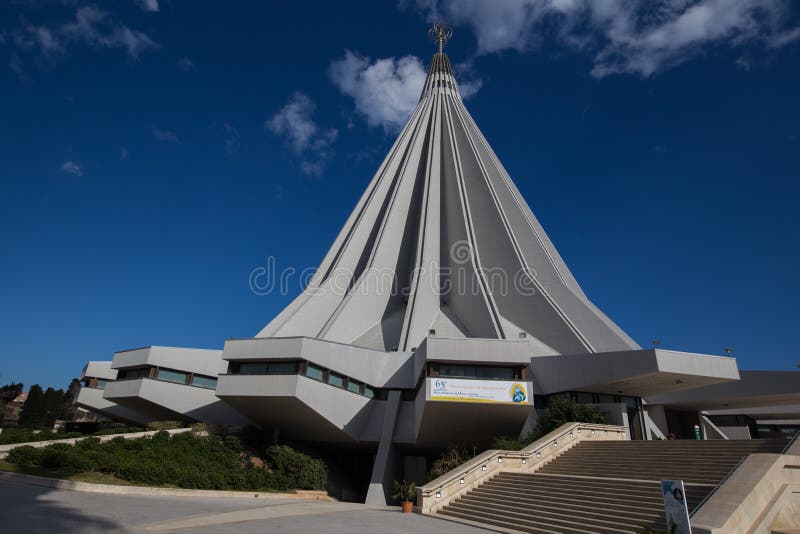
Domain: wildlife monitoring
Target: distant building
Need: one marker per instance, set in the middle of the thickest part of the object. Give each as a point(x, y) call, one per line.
point(13, 409)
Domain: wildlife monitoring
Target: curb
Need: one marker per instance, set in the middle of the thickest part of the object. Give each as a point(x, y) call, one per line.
point(109, 489)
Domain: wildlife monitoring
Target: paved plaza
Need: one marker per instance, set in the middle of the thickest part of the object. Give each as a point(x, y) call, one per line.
point(34, 509)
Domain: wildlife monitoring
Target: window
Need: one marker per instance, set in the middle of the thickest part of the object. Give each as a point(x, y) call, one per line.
point(603, 398)
point(249, 368)
point(475, 371)
point(171, 376)
point(282, 368)
point(354, 386)
point(369, 392)
point(315, 372)
point(207, 382)
point(101, 384)
point(129, 374)
point(336, 380)
point(581, 397)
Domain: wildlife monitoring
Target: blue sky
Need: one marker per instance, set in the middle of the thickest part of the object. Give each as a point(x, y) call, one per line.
point(154, 153)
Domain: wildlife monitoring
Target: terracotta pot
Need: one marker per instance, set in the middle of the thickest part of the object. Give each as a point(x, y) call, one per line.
point(408, 507)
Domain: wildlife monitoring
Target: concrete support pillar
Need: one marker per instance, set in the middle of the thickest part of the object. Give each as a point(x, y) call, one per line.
point(380, 483)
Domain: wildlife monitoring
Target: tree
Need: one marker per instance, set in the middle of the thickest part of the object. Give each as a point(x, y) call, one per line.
point(34, 411)
point(54, 405)
point(68, 413)
point(561, 410)
point(11, 391)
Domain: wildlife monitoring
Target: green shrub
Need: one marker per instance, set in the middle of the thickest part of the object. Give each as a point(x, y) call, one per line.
point(25, 435)
point(450, 458)
point(25, 455)
point(561, 410)
point(295, 470)
point(183, 460)
point(506, 444)
point(164, 425)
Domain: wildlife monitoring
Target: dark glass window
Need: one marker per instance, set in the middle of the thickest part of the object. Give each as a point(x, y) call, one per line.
point(369, 392)
point(354, 386)
point(282, 368)
point(168, 375)
point(602, 398)
point(476, 371)
point(252, 368)
point(336, 380)
point(101, 384)
point(142, 372)
point(315, 372)
point(581, 397)
point(207, 382)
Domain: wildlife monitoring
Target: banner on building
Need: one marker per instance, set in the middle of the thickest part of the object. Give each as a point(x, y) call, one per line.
point(675, 507)
point(489, 391)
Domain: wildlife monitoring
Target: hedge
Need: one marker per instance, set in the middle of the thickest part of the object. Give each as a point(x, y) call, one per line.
point(182, 460)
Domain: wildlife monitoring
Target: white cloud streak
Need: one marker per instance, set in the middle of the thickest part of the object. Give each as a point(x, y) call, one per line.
point(148, 5)
point(624, 36)
point(313, 144)
point(72, 167)
point(165, 136)
point(91, 26)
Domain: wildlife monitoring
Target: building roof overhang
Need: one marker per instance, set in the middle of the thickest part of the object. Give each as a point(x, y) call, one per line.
point(639, 373)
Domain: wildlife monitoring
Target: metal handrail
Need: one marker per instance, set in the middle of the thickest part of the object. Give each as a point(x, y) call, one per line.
point(791, 442)
point(733, 470)
point(721, 482)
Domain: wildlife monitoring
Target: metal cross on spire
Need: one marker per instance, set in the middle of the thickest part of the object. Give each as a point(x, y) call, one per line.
point(440, 33)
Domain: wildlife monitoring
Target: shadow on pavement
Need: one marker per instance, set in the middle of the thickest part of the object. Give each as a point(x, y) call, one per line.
point(34, 509)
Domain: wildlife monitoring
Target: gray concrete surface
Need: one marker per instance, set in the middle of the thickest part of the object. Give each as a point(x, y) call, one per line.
point(33, 509)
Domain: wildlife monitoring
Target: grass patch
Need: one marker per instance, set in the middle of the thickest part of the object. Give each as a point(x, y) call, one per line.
point(93, 477)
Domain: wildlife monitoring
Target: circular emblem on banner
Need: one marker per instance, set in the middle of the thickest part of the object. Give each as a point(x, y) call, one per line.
point(517, 393)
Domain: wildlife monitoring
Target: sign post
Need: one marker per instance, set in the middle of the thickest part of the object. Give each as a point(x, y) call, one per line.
point(675, 507)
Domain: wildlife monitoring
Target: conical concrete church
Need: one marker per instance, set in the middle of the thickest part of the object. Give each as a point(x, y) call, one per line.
point(443, 241)
point(442, 314)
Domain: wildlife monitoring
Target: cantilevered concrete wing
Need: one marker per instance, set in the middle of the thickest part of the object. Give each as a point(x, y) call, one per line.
point(442, 240)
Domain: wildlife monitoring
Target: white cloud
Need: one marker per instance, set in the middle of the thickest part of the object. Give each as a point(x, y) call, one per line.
point(386, 91)
point(148, 5)
point(71, 167)
point(294, 123)
point(90, 26)
point(624, 36)
point(165, 136)
point(232, 139)
point(185, 64)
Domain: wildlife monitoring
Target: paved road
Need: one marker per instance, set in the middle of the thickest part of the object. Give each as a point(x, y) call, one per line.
point(33, 509)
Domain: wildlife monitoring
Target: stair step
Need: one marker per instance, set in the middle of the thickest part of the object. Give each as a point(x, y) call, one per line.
point(605, 487)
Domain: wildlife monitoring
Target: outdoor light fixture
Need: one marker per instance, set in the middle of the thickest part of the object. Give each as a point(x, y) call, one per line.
point(524, 461)
point(606, 432)
point(538, 454)
point(438, 494)
point(593, 432)
point(461, 481)
point(483, 468)
point(555, 444)
point(570, 434)
point(500, 460)
point(579, 430)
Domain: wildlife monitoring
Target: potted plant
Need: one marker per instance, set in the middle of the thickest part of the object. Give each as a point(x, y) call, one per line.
point(406, 493)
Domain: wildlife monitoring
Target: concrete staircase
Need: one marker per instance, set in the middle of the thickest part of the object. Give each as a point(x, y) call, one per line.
point(603, 486)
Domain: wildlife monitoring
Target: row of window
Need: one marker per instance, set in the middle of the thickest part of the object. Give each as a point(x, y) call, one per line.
point(582, 397)
point(446, 370)
point(307, 369)
point(169, 375)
